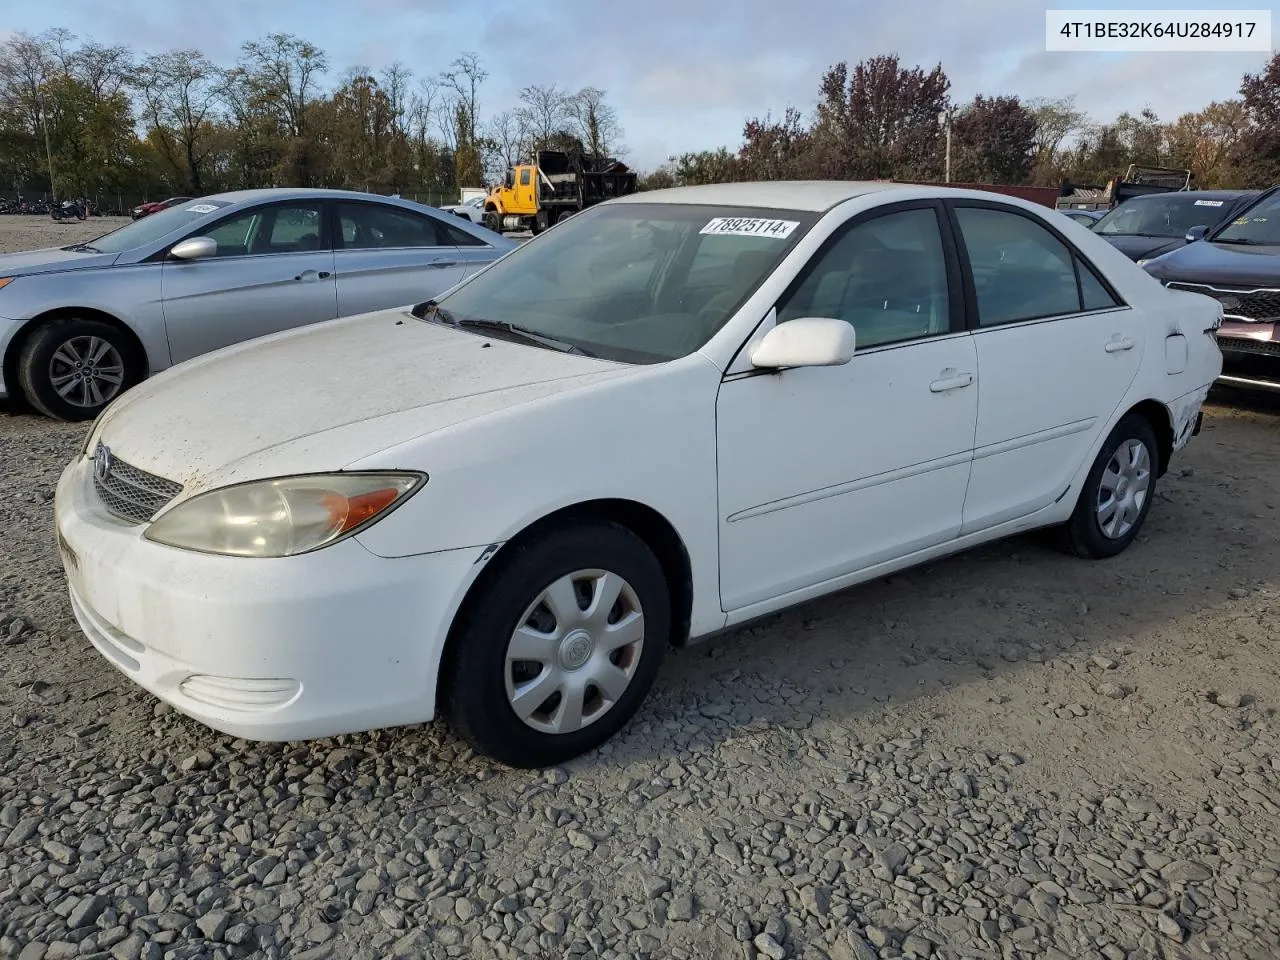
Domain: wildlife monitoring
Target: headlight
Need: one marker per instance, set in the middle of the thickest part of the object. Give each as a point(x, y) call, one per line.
point(5, 281)
point(282, 517)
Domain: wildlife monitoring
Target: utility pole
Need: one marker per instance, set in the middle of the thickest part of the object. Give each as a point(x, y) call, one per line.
point(944, 120)
point(48, 150)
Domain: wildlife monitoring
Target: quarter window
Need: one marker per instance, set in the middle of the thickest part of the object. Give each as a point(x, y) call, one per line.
point(370, 226)
point(288, 228)
point(887, 277)
point(1021, 271)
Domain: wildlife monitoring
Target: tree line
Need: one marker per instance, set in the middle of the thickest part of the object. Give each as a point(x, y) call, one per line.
point(90, 119)
point(882, 119)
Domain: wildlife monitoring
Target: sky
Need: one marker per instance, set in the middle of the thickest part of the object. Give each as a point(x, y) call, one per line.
point(682, 74)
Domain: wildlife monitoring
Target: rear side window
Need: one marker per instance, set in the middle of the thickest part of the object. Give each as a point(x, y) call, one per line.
point(459, 237)
point(1021, 271)
point(524, 177)
point(371, 226)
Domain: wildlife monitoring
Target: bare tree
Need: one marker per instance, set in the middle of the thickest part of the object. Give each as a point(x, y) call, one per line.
point(105, 70)
point(508, 138)
point(394, 82)
point(546, 112)
point(180, 90)
point(595, 122)
point(286, 70)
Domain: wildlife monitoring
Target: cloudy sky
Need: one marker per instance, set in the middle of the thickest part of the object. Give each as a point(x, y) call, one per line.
point(683, 74)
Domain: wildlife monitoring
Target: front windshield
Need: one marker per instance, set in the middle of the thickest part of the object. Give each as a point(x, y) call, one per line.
point(1168, 217)
point(631, 282)
point(1259, 224)
point(139, 233)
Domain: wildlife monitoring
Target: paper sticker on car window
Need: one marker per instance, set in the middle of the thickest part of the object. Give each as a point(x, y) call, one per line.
point(750, 227)
point(202, 208)
point(1208, 203)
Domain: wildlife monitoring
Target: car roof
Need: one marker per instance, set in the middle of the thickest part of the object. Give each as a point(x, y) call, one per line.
point(815, 195)
point(292, 193)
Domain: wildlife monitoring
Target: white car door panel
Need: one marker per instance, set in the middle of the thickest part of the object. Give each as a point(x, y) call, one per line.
point(1047, 389)
point(1056, 353)
point(828, 470)
point(824, 471)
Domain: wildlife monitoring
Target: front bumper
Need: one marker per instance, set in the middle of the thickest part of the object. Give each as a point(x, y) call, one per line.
point(330, 642)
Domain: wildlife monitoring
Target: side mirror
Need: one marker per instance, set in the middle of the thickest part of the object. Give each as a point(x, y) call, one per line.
point(194, 248)
point(806, 342)
point(1196, 233)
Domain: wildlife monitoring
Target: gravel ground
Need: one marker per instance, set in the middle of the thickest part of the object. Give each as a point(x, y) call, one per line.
point(1006, 754)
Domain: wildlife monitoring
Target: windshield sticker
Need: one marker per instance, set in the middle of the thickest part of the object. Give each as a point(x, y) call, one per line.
point(1209, 203)
point(750, 227)
point(202, 208)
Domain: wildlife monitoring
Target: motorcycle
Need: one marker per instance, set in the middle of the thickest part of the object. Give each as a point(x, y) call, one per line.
point(68, 209)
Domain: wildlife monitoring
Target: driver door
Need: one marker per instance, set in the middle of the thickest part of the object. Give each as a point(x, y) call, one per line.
point(827, 471)
point(273, 271)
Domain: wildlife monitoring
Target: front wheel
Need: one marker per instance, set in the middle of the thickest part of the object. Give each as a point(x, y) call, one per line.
point(560, 647)
point(1117, 493)
point(71, 369)
point(493, 221)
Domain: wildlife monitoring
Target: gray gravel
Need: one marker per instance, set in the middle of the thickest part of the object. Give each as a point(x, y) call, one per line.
point(1007, 754)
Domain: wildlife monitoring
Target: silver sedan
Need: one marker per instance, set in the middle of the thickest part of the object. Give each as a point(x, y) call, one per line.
point(82, 323)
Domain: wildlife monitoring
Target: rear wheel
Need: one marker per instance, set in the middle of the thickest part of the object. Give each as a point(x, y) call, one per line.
point(560, 647)
point(71, 369)
point(1117, 493)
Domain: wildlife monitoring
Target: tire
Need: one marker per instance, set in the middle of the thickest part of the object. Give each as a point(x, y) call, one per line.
point(540, 222)
point(482, 685)
point(47, 354)
point(493, 221)
point(1133, 444)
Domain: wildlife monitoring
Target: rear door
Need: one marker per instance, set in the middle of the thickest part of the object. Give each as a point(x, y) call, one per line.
point(389, 256)
point(1057, 350)
point(273, 270)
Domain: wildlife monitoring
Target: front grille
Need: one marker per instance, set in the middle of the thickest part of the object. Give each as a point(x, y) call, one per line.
point(1261, 304)
point(1249, 345)
point(127, 492)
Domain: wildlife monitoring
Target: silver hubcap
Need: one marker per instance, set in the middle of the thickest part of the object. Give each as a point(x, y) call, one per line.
point(575, 651)
point(1123, 489)
point(86, 371)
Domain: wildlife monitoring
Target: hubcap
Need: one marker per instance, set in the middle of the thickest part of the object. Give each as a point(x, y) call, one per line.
point(575, 651)
point(1123, 489)
point(86, 371)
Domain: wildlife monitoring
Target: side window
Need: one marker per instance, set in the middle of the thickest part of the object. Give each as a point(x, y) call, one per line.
point(292, 228)
point(1093, 295)
point(887, 276)
point(524, 177)
point(370, 226)
point(459, 237)
point(1021, 271)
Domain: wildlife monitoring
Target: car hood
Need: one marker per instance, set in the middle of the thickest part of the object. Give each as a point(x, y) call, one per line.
point(325, 396)
point(51, 260)
point(1219, 264)
point(1144, 248)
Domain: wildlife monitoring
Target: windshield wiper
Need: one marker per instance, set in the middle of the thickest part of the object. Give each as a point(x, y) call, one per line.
point(1240, 242)
point(82, 248)
point(428, 307)
point(522, 333)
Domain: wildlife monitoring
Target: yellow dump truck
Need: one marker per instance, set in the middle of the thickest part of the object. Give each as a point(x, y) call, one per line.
point(556, 185)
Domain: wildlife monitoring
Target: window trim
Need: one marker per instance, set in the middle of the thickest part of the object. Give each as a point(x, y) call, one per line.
point(1078, 260)
point(339, 245)
point(326, 245)
point(950, 256)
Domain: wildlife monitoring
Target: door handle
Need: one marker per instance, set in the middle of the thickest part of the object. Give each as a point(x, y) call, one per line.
point(306, 276)
point(1119, 343)
point(443, 263)
point(951, 380)
point(324, 274)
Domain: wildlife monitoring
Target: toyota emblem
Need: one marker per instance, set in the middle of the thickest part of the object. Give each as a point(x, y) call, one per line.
point(102, 462)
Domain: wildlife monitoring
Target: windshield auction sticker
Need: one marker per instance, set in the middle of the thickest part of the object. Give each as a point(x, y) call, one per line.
point(750, 227)
point(202, 208)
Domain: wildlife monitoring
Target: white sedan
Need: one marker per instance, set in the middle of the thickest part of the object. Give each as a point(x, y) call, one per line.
point(683, 410)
